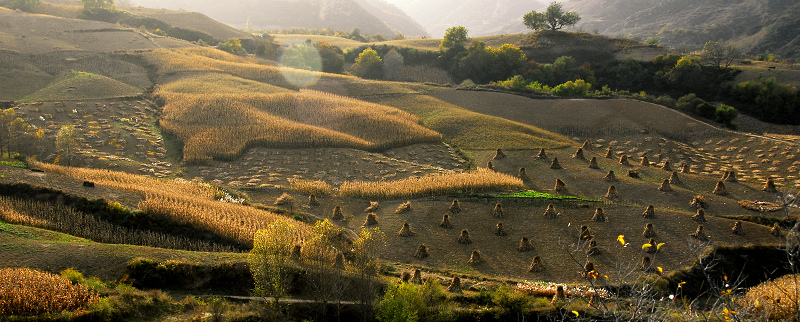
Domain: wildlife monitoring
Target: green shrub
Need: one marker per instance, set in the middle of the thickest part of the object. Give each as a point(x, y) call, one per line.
point(578, 88)
point(401, 302)
point(688, 103)
point(516, 83)
point(705, 110)
point(73, 276)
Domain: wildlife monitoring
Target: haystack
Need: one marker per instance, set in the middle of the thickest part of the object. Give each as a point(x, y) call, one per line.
point(296, 251)
point(499, 155)
point(609, 153)
point(446, 222)
point(645, 162)
point(455, 285)
point(699, 234)
point(498, 211)
point(555, 165)
point(666, 166)
point(339, 262)
point(623, 160)
point(588, 269)
point(523, 174)
point(610, 176)
point(312, 201)
point(665, 187)
point(500, 231)
point(700, 216)
point(560, 296)
point(489, 165)
point(599, 215)
point(405, 277)
point(560, 186)
point(593, 163)
point(579, 154)
point(720, 189)
point(372, 220)
point(373, 207)
point(455, 207)
point(729, 176)
point(475, 258)
point(592, 249)
point(403, 207)
point(646, 265)
point(585, 233)
point(612, 193)
point(737, 228)
point(417, 278)
point(649, 232)
point(587, 145)
point(685, 168)
point(776, 230)
point(550, 213)
point(422, 252)
point(406, 230)
point(337, 213)
point(542, 155)
point(653, 246)
point(770, 186)
point(634, 173)
point(650, 212)
point(284, 199)
point(464, 237)
point(698, 202)
point(525, 245)
point(536, 264)
point(674, 179)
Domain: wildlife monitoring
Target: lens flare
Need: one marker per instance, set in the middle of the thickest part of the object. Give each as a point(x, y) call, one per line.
point(300, 63)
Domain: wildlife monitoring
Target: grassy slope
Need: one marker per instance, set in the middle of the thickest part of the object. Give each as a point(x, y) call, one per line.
point(50, 251)
point(218, 83)
point(83, 86)
point(421, 44)
point(474, 131)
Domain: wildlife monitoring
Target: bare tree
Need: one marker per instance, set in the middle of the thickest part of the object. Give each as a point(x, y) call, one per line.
point(719, 55)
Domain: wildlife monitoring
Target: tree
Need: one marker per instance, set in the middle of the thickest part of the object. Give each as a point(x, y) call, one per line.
point(66, 140)
point(102, 10)
point(454, 37)
point(366, 250)
point(368, 65)
point(393, 64)
point(24, 5)
point(94, 5)
point(233, 46)
point(553, 18)
point(719, 55)
point(270, 259)
point(327, 282)
point(332, 58)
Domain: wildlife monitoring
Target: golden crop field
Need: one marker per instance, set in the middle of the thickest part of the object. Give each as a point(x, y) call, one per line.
point(223, 125)
point(183, 201)
point(80, 86)
point(480, 180)
point(24, 291)
point(218, 83)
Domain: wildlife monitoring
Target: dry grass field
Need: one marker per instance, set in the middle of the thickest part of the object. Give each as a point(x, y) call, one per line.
point(83, 86)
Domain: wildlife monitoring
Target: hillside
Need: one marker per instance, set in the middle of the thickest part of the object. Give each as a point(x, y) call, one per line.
point(191, 20)
point(481, 17)
point(341, 15)
point(754, 26)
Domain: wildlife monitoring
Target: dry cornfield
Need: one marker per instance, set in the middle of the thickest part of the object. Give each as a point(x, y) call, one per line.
point(183, 201)
point(311, 187)
point(24, 291)
point(480, 180)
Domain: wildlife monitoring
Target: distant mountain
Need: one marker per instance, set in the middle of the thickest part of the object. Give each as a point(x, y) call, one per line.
point(370, 16)
point(481, 17)
point(755, 26)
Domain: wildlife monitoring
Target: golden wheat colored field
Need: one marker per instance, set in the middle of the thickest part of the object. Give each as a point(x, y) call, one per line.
point(480, 180)
point(222, 126)
point(183, 201)
point(25, 291)
point(217, 83)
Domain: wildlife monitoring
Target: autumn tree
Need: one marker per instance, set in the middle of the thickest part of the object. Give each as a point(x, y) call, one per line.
point(719, 55)
point(366, 250)
point(368, 65)
point(332, 57)
point(270, 259)
point(454, 37)
point(233, 46)
point(66, 141)
point(327, 282)
point(553, 18)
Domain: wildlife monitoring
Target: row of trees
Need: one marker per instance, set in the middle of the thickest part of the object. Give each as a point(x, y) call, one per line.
point(16, 135)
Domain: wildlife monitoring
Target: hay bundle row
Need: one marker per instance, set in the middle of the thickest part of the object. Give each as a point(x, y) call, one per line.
point(499, 155)
point(446, 222)
point(475, 258)
point(652, 246)
point(737, 228)
point(373, 207)
point(587, 145)
point(312, 201)
point(612, 193)
point(585, 234)
point(455, 207)
point(498, 211)
point(700, 216)
point(666, 166)
point(776, 230)
point(523, 174)
point(464, 237)
point(769, 186)
point(406, 231)
point(645, 162)
point(337, 213)
point(592, 249)
point(698, 202)
point(579, 154)
point(729, 176)
point(611, 177)
point(685, 168)
point(609, 153)
point(593, 163)
point(649, 232)
point(455, 285)
point(372, 220)
point(665, 187)
point(536, 264)
point(422, 252)
point(634, 173)
point(623, 160)
point(284, 199)
point(542, 155)
point(500, 230)
point(560, 186)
